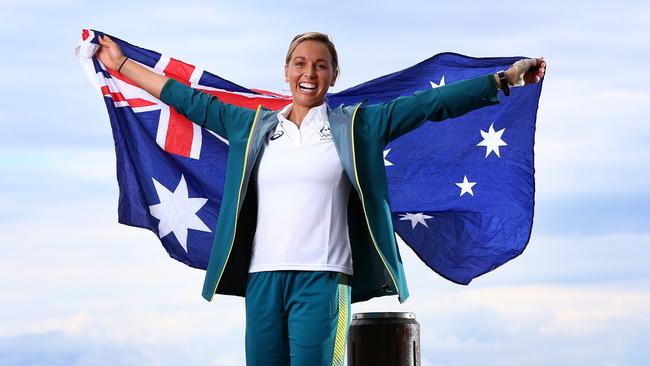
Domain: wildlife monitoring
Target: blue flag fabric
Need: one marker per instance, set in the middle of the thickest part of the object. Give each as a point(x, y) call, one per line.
point(461, 191)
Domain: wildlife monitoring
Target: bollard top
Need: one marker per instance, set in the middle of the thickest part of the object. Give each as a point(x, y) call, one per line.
point(384, 315)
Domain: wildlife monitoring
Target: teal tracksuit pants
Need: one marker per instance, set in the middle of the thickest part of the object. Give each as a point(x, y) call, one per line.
point(297, 318)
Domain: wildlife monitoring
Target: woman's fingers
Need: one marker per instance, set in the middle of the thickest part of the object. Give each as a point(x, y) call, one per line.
point(105, 40)
point(536, 72)
point(105, 55)
point(541, 69)
point(109, 53)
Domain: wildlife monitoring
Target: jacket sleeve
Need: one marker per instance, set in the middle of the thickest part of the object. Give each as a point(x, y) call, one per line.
point(393, 119)
point(205, 109)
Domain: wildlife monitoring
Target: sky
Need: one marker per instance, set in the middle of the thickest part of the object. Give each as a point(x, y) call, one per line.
point(77, 288)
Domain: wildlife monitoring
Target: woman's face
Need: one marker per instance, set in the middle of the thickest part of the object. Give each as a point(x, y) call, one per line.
point(310, 73)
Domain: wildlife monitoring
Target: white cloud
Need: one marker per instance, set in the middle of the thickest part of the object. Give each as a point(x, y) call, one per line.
point(71, 325)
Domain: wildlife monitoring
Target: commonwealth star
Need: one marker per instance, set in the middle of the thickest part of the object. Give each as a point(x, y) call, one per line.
point(177, 211)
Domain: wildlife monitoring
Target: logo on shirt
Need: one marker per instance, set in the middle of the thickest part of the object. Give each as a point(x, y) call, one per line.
point(277, 135)
point(325, 133)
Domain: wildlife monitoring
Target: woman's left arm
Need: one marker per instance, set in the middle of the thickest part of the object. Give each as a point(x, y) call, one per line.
point(399, 116)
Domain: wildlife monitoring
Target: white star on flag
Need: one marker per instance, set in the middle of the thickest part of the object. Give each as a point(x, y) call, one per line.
point(466, 186)
point(441, 83)
point(492, 140)
point(386, 162)
point(415, 219)
point(177, 211)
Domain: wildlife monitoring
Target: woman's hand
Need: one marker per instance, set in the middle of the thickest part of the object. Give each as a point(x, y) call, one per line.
point(527, 71)
point(110, 53)
point(112, 57)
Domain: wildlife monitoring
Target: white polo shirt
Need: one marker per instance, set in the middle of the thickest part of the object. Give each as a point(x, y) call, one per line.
point(303, 196)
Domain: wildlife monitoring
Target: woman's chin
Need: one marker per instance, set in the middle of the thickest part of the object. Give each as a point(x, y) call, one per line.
point(307, 102)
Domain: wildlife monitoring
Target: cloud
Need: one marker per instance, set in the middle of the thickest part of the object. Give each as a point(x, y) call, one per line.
point(566, 300)
point(60, 349)
point(531, 324)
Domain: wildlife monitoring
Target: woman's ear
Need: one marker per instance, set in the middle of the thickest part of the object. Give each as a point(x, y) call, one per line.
point(286, 73)
point(336, 75)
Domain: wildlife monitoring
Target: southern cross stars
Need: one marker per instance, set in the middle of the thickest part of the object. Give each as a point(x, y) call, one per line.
point(466, 186)
point(441, 83)
point(177, 212)
point(492, 140)
point(415, 219)
point(386, 162)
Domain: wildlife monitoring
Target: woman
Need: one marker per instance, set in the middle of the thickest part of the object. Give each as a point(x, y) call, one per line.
point(290, 237)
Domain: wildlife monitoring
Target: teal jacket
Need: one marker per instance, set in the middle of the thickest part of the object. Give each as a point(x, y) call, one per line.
point(360, 134)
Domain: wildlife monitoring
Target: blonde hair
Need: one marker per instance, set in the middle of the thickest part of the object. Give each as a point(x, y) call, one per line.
point(314, 36)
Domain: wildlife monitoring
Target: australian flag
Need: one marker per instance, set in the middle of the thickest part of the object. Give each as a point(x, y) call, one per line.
point(461, 191)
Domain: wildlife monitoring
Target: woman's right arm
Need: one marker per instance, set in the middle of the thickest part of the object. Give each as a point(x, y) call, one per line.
point(199, 107)
point(111, 56)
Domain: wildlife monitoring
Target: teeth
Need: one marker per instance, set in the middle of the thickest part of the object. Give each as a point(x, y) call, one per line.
point(307, 86)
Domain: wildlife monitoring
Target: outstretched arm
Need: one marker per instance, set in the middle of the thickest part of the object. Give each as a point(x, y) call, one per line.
point(401, 115)
point(111, 56)
point(199, 107)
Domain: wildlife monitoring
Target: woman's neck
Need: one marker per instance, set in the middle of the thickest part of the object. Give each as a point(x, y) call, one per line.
point(297, 114)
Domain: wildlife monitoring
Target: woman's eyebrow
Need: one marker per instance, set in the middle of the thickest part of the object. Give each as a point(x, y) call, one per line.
point(303, 58)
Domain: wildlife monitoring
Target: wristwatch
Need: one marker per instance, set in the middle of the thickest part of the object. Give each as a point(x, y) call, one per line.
point(503, 83)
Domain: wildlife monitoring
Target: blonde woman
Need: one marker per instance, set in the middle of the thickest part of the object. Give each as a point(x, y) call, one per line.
point(305, 228)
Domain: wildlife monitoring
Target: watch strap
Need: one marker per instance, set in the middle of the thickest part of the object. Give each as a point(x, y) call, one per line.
point(503, 83)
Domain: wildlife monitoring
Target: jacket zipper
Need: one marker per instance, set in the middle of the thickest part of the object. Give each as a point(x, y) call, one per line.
point(363, 204)
point(239, 199)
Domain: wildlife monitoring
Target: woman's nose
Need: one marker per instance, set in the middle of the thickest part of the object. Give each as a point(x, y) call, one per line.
point(310, 71)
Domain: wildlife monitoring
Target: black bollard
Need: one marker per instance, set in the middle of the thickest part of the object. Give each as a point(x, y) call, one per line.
point(384, 339)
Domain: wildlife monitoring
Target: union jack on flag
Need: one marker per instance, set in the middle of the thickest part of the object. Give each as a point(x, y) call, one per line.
point(461, 191)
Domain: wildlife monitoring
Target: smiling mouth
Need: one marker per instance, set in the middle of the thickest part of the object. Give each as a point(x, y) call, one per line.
point(307, 87)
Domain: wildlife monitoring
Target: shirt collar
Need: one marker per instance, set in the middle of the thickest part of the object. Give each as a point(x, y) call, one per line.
point(315, 115)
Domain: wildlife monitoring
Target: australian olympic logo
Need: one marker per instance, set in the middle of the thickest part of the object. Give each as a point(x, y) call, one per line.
point(325, 133)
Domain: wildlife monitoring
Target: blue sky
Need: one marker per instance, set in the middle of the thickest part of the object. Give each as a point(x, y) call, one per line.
point(76, 288)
